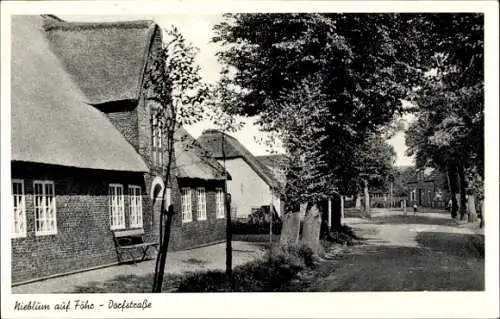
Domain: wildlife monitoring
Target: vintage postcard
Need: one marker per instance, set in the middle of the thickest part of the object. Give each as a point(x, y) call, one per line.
point(250, 159)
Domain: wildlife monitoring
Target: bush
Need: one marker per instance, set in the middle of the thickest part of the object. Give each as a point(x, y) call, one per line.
point(280, 265)
point(343, 235)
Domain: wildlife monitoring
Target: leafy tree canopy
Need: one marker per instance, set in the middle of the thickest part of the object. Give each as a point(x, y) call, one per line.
point(325, 83)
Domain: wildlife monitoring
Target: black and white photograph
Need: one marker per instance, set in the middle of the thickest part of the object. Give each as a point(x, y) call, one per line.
point(158, 152)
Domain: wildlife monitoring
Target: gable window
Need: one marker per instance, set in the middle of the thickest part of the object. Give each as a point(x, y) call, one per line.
point(135, 206)
point(202, 203)
point(157, 142)
point(219, 203)
point(19, 209)
point(116, 206)
point(45, 208)
point(187, 214)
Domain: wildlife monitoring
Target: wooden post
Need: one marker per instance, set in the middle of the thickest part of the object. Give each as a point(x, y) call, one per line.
point(329, 213)
point(229, 249)
point(392, 197)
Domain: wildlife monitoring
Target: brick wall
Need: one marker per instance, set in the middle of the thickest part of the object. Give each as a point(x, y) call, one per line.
point(83, 238)
point(197, 232)
point(123, 115)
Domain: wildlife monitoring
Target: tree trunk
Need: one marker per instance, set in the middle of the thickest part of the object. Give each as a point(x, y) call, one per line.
point(463, 193)
point(164, 249)
point(452, 185)
point(291, 229)
point(337, 207)
point(366, 207)
point(471, 208)
point(312, 228)
point(161, 258)
point(341, 208)
point(358, 202)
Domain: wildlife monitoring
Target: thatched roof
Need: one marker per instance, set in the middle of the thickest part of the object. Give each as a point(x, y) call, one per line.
point(192, 161)
point(273, 161)
point(211, 140)
point(51, 123)
point(106, 60)
point(276, 164)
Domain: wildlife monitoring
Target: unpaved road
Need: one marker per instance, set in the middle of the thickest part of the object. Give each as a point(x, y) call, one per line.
point(429, 251)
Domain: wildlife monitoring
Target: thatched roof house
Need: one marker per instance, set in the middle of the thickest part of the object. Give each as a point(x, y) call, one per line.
point(51, 121)
point(253, 184)
point(85, 166)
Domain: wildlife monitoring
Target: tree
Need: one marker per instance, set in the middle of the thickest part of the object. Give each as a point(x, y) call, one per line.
point(374, 164)
point(175, 91)
point(448, 133)
point(322, 82)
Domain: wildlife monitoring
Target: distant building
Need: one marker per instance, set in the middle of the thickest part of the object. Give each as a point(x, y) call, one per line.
point(253, 184)
point(428, 189)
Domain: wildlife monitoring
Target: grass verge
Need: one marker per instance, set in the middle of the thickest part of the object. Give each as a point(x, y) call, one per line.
point(272, 273)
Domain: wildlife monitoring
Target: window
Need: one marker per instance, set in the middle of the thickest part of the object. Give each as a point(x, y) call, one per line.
point(219, 203)
point(19, 209)
point(116, 206)
point(414, 195)
point(157, 143)
point(202, 203)
point(45, 208)
point(187, 214)
point(135, 205)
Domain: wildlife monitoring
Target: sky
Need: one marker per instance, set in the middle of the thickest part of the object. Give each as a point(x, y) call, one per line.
point(197, 29)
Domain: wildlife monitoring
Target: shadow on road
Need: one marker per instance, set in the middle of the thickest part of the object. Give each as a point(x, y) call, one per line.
point(396, 268)
point(442, 261)
point(411, 219)
point(461, 245)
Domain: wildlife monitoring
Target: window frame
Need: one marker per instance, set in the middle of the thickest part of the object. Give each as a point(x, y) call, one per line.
point(157, 142)
point(219, 203)
point(43, 208)
point(121, 208)
point(22, 207)
point(201, 203)
point(186, 205)
point(135, 212)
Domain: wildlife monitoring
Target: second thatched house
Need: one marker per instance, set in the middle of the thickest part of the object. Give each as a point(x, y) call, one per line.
point(252, 185)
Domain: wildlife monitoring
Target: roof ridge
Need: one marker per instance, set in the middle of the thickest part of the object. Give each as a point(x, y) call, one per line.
point(55, 23)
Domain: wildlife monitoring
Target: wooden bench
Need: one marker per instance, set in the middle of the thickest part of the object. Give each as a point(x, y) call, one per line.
point(126, 241)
